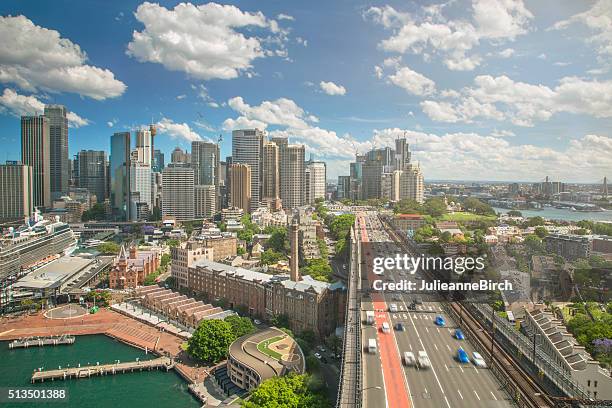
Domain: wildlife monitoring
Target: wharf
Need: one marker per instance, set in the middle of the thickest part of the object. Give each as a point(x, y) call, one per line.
point(37, 341)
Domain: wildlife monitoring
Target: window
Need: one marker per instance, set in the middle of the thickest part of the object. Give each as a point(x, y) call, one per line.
point(588, 383)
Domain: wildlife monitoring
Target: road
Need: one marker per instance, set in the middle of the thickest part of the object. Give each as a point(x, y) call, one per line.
point(447, 383)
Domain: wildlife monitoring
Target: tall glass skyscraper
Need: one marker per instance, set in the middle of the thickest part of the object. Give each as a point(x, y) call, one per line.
point(35, 152)
point(120, 174)
point(58, 136)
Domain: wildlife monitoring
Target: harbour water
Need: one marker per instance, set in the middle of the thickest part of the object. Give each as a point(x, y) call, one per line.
point(552, 213)
point(145, 389)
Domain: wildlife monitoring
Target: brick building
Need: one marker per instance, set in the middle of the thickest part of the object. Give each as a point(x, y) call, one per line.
point(131, 268)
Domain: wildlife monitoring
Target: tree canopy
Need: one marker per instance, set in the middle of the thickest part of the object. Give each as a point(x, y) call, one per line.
point(290, 391)
point(241, 326)
point(211, 340)
point(108, 248)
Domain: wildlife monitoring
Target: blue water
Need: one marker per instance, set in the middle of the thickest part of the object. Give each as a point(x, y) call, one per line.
point(147, 389)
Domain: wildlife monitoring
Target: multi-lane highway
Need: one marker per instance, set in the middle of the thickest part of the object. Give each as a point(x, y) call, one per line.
point(447, 383)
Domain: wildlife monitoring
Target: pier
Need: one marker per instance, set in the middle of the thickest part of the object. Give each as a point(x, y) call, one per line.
point(104, 369)
point(41, 341)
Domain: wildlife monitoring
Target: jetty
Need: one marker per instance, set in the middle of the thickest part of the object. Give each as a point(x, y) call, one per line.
point(103, 369)
point(41, 341)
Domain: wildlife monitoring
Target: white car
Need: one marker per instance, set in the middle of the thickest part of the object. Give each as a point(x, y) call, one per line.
point(478, 360)
point(393, 308)
point(424, 359)
point(409, 359)
point(317, 355)
point(385, 327)
point(257, 321)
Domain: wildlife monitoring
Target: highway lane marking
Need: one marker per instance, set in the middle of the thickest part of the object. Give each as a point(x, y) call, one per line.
point(448, 347)
point(436, 346)
point(460, 394)
point(427, 330)
point(493, 395)
point(410, 345)
point(446, 399)
point(445, 366)
point(461, 368)
point(477, 395)
point(478, 372)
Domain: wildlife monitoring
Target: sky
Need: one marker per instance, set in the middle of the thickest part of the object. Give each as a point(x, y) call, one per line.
point(509, 90)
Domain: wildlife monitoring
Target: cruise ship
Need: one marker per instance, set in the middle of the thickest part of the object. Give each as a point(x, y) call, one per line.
point(35, 243)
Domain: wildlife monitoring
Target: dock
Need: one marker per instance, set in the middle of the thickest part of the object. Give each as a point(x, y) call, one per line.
point(104, 369)
point(41, 341)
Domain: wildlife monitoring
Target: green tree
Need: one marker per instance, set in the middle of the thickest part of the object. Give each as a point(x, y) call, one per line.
point(534, 243)
point(435, 206)
point(270, 257)
point(108, 248)
point(96, 213)
point(541, 232)
point(535, 221)
point(173, 243)
point(211, 340)
point(240, 251)
point(318, 268)
point(150, 279)
point(281, 320)
point(165, 261)
point(290, 391)
point(476, 206)
point(407, 206)
point(514, 213)
point(241, 326)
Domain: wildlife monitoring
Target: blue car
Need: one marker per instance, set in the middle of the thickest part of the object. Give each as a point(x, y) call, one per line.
point(462, 356)
point(459, 335)
point(440, 321)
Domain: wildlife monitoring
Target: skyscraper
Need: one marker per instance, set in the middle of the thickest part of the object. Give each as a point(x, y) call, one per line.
point(270, 175)
point(204, 201)
point(144, 146)
point(92, 172)
point(158, 161)
point(402, 154)
point(205, 162)
point(240, 186)
point(36, 153)
point(180, 156)
point(178, 192)
point(247, 146)
point(120, 164)
point(315, 175)
point(293, 181)
point(140, 190)
point(371, 185)
point(15, 191)
point(412, 184)
point(58, 139)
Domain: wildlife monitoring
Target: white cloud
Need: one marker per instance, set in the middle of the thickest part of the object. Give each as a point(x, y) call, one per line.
point(502, 133)
point(331, 88)
point(203, 40)
point(35, 58)
point(378, 72)
point(179, 97)
point(523, 104)
point(177, 130)
point(282, 16)
point(281, 112)
point(506, 53)
point(413, 82)
point(111, 123)
point(19, 105)
point(599, 20)
point(493, 20)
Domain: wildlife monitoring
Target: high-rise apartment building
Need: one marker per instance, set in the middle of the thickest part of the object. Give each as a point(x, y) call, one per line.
point(271, 176)
point(36, 153)
point(293, 181)
point(120, 163)
point(412, 184)
point(15, 191)
point(91, 172)
point(205, 200)
point(58, 142)
point(180, 156)
point(240, 186)
point(315, 174)
point(178, 192)
point(247, 146)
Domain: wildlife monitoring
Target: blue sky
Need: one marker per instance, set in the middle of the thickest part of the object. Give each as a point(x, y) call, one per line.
point(484, 89)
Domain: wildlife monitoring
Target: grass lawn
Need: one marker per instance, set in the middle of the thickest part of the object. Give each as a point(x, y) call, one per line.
point(466, 216)
point(263, 347)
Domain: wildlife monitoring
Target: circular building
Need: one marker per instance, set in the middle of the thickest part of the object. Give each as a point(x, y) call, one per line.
point(264, 354)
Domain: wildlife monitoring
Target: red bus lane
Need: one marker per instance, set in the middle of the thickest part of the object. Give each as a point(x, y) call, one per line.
point(393, 374)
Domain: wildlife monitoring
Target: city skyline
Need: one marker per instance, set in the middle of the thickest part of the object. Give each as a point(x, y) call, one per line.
point(476, 100)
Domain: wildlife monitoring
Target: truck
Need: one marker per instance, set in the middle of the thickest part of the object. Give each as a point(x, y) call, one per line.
point(372, 346)
point(393, 308)
point(370, 317)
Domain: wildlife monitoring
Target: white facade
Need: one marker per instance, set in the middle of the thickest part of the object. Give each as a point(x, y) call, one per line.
point(247, 146)
point(140, 187)
point(205, 200)
point(178, 192)
point(316, 174)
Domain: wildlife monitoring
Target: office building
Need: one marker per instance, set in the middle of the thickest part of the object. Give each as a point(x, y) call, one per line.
point(205, 162)
point(144, 147)
point(158, 161)
point(91, 172)
point(15, 191)
point(343, 190)
point(240, 186)
point(247, 147)
point(293, 181)
point(36, 153)
point(120, 163)
point(184, 256)
point(58, 142)
point(141, 197)
point(570, 247)
point(315, 177)
point(402, 154)
point(180, 156)
point(178, 192)
point(205, 200)
point(371, 184)
point(271, 176)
